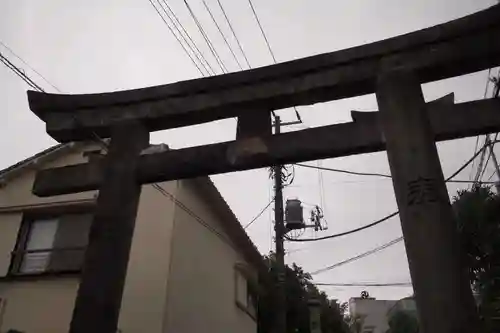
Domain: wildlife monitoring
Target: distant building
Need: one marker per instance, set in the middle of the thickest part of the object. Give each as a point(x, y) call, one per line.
point(374, 313)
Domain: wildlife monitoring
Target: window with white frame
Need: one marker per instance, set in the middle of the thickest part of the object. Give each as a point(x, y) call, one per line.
point(51, 244)
point(246, 297)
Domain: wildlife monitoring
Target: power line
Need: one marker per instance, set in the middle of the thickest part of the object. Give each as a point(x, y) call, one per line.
point(19, 72)
point(158, 187)
point(346, 232)
point(390, 215)
point(468, 162)
point(359, 256)
point(269, 48)
point(481, 161)
point(29, 66)
point(234, 33)
point(177, 38)
point(186, 37)
point(366, 284)
point(191, 213)
point(179, 204)
point(222, 34)
point(321, 185)
point(262, 31)
point(496, 92)
point(372, 251)
point(206, 38)
point(259, 214)
point(492, 174)
point(476, 145)
point(376, 174)
point(343, 171)
point(487, 161)
point(13, 69)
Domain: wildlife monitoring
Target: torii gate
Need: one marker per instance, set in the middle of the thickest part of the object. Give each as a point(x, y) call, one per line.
point(406, 127)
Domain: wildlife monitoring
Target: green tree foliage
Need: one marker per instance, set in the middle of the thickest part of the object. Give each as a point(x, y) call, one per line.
point(478, 215)
point(299, 290)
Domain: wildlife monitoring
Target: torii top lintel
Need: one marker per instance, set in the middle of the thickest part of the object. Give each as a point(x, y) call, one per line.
point(455, 48)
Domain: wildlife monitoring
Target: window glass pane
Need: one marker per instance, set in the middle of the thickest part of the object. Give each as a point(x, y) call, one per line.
point(71, 237)
point(251, 300)
point(241, 289)
point(41, 236)
point(73, 230)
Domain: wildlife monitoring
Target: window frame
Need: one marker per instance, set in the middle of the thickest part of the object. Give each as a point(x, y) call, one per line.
point(251, 291)
point(30, 216)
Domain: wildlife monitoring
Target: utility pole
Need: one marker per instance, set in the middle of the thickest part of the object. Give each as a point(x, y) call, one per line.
point(491, 145)
point(497, 167)
point(280, 231)
point(279, 228)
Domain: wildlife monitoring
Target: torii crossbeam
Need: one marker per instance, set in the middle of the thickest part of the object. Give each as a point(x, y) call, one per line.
point(405, 126)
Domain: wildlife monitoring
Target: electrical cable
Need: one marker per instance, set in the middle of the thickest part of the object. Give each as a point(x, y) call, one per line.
point(29, 66)
point(477, 137)
point(19, 72)
point(321, 184)
point(359, 256)
point(343, 233)
point(174, 20)
point(259, 214)
point(262, 30)
point(13, 69)
point(206, 38)
point(178, 40)
point(234, 33)
point(343, 171)
point(388, 216)
point(269, 47)
point(496, 92)
point(375, 174)
point(492, 174)
point(481, 161)
point(487, 161)
point(222, 34)
point(367, 253)
point(361, 284)
point(160, 189)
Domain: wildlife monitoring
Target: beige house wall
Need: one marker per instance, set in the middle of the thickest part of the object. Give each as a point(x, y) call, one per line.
point(9, 228)
point(145, 292)
point(201, 290)
point(43, 305)
point(17, 191)
point(16, 195)
point(38, 306)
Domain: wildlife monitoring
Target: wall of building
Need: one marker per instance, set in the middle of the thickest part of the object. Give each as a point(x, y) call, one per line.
point(9, 224)
point(43, 305)
point(16, 195)
point(17, 192)
point(201, 289)
point(373, 313)
point(145, 293)
point(38, 306)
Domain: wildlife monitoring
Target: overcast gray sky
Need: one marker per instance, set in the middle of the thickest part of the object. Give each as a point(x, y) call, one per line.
point(105, 45)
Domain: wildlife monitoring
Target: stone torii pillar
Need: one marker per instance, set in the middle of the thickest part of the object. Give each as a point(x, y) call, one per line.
point(99, 296)
point(442, 289)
